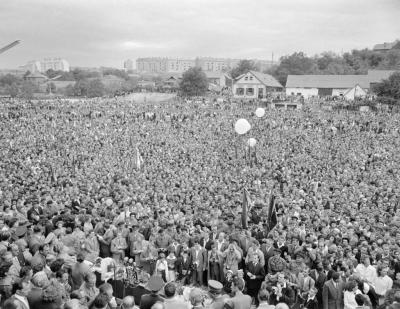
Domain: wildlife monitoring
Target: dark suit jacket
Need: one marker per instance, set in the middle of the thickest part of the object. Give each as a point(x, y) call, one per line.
point(207, 245)
point(214, 236)
point(200, 259)
point(283, 249)
point(267, 253)
point(180, 265)
point(288, 297)
point(256, 270)
point(149, 300)
point(332, 297)
point(311, 304)
point(137, 292)
point(319, 283)
point(35, 298)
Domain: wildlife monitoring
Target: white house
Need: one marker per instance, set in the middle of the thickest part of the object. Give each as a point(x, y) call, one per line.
point(255, 85)
point(325, 85)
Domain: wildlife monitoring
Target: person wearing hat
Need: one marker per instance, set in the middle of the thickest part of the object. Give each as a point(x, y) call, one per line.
point(155, 284)
point(215, 292)
point(276, 263)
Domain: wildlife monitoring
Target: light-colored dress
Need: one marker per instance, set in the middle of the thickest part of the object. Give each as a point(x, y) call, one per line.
point(171, 259)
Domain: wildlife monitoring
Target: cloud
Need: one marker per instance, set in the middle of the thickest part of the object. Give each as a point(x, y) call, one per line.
point(106, 32)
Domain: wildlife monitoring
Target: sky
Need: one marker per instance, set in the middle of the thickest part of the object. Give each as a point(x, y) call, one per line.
point(93, 33)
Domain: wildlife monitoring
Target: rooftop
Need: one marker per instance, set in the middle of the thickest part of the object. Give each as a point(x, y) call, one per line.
point(266, 79)
point(327, 81)
point(386, 45)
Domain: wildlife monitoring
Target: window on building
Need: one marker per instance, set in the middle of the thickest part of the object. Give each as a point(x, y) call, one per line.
point(251, 77)
point(240, 91)
point(246, 78)
point(250, 91)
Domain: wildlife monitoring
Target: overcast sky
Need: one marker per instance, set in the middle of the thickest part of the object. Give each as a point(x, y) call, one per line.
point(106, 32)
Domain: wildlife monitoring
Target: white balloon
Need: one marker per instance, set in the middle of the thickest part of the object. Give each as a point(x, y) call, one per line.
point(242, 126)
point(260, 112)
point(251, 142)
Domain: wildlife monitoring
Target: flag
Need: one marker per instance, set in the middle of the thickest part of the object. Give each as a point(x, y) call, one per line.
point(272, 218)
point(246, 207)
point(139, 159)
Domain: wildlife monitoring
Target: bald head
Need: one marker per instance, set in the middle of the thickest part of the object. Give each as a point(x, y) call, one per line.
point(128, 302)
point(281, 306)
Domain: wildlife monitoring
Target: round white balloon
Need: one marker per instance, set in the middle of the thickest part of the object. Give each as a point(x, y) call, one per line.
point(242, 126)
point(251, 142)
point(260, 112)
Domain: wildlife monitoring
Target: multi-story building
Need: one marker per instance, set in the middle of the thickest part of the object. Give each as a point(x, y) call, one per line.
point(128, 65)
point(56, 64)
point(153, 64)
point(179, 65)
point(209, 64)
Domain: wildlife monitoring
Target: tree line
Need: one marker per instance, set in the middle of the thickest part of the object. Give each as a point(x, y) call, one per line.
point(298, 63)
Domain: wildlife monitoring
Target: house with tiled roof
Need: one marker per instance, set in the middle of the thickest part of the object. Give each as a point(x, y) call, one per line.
point(387, 46)
point(333, 85)
point(255, 85)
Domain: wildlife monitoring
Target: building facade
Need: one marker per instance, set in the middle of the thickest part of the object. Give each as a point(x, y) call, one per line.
point(208, 64)
point(179, 65)
point(333, 85)
point(255, 85)
point(153, 64)
point(128, 65)
point(56, 64)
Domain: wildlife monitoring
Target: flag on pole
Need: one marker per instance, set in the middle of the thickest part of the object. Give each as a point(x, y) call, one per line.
point(246, 207)
point(139, 159)
point(272, 218)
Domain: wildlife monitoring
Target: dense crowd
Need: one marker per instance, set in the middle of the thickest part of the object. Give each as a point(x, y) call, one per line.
point(107, 203)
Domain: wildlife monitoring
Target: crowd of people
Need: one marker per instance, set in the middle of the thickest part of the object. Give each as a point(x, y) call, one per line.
point(106, 203)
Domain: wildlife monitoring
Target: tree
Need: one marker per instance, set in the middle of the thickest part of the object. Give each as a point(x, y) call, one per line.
point(296, 64)
point(69, 91)
point(95, 88)
point(9, 79)
point(194, 82)
point(12, 90)
point(389, 88)
point(115, 72)
point(28, 89)
point(81, 88)
point(243, 67)
point(51, 88)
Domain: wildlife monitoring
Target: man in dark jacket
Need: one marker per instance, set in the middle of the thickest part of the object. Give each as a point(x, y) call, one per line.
point(148, 300)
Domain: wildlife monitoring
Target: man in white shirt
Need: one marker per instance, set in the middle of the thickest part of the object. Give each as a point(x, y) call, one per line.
point(366, 271)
